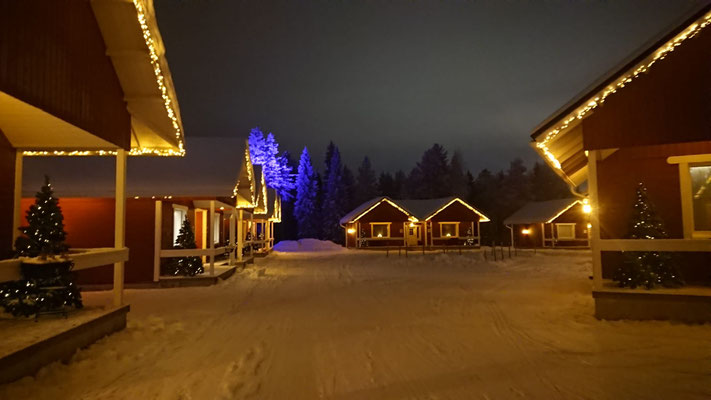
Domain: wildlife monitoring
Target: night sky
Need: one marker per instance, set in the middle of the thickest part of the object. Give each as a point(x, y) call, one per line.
point(383, 78)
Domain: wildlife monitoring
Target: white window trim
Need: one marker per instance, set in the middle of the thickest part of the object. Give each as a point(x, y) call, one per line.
point(557, 232)
point(387, 224)
point(687, 204)
point(456, 229)
point(176, 230)
point(217, 225)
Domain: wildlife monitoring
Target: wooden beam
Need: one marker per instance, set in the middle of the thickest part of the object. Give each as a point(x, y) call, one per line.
point(685, 245)
point(240, 234)
point(593, 157)
point(157, 239)
point(211, 237)
point(17, 197)
point(120, 224)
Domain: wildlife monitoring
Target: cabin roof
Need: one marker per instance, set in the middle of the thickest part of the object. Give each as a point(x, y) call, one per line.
point(559, 138)
point(540, 211)
point(415, 208)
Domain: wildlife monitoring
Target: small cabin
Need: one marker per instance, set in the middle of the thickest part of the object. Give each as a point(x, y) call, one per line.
point(561, 223)
point(384, 222)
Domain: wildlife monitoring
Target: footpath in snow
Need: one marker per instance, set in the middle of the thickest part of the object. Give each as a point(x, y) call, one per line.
point(315, 321)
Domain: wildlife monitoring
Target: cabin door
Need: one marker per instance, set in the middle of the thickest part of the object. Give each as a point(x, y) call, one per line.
point(413, 235)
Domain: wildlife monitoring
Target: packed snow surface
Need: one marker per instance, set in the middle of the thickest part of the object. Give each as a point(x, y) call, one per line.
point(360, 325)
point(307, 245)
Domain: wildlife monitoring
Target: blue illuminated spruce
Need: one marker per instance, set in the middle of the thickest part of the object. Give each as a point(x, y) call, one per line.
point(332, 208)
point(649, 268)
point(264, 151)
point(305, 206)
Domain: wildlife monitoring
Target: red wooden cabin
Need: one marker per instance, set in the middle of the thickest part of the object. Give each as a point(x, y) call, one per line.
point(561, 223)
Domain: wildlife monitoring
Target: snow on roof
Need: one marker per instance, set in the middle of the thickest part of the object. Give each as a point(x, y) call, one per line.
point(420, 209)
point(540, 211)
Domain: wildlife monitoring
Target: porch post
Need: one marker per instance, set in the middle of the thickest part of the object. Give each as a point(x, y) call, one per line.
point(593, 157)
point(120, 223)
point(404, 233)
point(232, 237)
point(511, 228)
point(252, 233)
point(17, 199)
point(211, 237)
point(240, 234)
point(268, 234)
point(543, 234)
point(157, 245)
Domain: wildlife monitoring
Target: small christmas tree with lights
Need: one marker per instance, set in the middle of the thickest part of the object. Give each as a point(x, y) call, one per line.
point(648, 268)
point(47, 284)
point(185, 266)
point(44, 235)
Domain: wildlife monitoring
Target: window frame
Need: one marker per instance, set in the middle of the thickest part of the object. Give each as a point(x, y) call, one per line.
point(687, 204)
point(387, 226)
point(570, 224)
point(456, 229)
point(176, 229)
point(216, 228)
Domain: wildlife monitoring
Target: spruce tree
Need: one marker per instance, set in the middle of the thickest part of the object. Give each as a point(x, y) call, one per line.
point(332, 208)
point(305, 206)
point(647, 268)
point(44, 235)
point(366, 183)
point(349, 189)
point(428, 179)
point(457, 176)
point(185, 266)
point(386, 185)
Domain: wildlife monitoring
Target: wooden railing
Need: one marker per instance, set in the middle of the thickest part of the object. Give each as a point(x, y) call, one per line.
point(682, 245)
point(82, 258)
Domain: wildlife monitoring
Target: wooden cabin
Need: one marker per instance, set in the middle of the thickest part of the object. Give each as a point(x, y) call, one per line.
point(384, 222)
point(647, 121)
point(561, 223)
point(82, 78)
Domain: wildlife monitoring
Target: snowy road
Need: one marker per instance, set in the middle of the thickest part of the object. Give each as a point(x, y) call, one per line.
point(352, 325)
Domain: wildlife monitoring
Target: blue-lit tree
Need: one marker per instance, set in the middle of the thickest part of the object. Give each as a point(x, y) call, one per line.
point(333, 199)
point(277, 171)
point(305, 206)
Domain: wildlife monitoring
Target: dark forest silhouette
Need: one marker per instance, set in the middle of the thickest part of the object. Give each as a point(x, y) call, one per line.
point(437, 174)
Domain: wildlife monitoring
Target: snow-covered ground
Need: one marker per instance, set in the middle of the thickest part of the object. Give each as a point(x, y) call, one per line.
point(339, 324)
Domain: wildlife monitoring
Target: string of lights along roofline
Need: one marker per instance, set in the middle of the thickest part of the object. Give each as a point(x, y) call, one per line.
point(600, 98)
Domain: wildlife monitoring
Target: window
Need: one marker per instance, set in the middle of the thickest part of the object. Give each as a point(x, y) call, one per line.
point(565, 231)
point(216, 228)
point(449, 229)
point(701, 196)
point(179, 215)
point(380, 229)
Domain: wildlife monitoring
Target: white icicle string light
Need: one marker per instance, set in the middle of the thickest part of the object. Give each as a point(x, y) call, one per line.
point(600, 98)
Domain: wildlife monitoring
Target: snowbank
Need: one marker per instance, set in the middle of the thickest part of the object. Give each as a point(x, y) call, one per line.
point(307, 245)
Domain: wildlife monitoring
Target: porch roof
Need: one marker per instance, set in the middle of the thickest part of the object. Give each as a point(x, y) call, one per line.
point(419, 210)
point(540, 211)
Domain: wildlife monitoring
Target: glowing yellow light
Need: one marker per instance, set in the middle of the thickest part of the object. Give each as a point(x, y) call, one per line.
point(587, 208)
point(351, 231)
point(412, 224)
point(621, 82)
point(380, 235)
point(448, 235)
point(222, 208)
point(136, 197)
point(589, 225)
point(525, 231)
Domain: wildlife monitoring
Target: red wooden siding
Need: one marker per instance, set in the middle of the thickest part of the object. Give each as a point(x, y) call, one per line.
point(385, 212)
point(7, 195)
point(669, 104)
point(52, 55)
point(455, 212)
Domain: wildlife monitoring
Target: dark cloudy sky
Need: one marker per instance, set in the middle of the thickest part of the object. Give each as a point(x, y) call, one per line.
point(385, 78)
point(389, 78)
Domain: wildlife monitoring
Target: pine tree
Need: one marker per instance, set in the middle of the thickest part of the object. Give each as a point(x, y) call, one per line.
point(649, 268)
point(546, 185)
point(44, 236)
point(386, 185)
point(305, 206)
point(332, 207)
point(185, 266)
point(349, 189)
point(277, 171)
point(457, 176)
point(366, 184)
point(428, 179)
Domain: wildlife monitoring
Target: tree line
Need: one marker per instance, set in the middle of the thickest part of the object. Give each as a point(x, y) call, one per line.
point(320, 200)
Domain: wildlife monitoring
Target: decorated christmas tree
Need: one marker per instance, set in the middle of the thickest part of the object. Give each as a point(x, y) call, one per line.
point(44, 235)
point(47, 284)
point(185, 266)
point(648, 268)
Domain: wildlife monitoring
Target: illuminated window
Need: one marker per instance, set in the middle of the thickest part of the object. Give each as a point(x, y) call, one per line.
point(216, 228)
point(380, 229)
point(449, 229)
point(179, 215)
point(565, 231)
point(701, 196)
